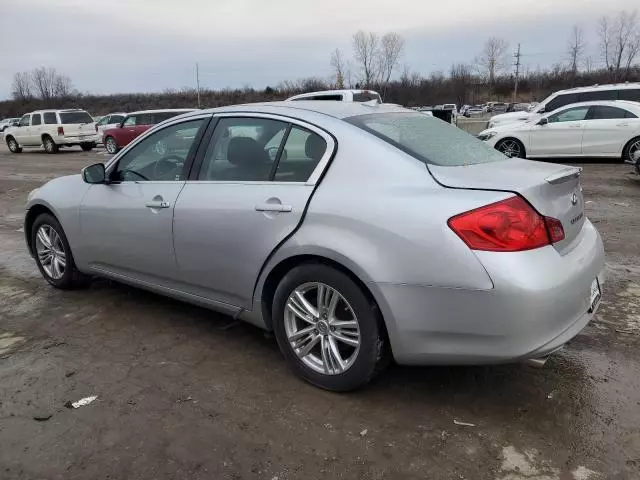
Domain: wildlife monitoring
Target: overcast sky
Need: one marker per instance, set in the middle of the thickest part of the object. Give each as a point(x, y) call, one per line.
point(111, 46)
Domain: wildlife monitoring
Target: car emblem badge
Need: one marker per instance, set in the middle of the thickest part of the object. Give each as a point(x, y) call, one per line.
point(574, 199)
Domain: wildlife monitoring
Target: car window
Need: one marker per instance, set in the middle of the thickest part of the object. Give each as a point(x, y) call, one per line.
point(36, 119)
point(302, 153)
point(103, 121)
point(50, 118)
point(570, 115)
point(427, 138)
point(25, 121)
point(560, 101)
point(629, 114)
point(242, 150)
point(160, 156)
point(334, 97)
point(598, 95)
point(76, 118)
point(629, 94)
point(162, 116)
point(130, 121)
point(366, 97)
point(145, 119)
point(602, 112)
point(115, 119)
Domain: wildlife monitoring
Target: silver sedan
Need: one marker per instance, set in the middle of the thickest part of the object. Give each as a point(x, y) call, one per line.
point(357, 233)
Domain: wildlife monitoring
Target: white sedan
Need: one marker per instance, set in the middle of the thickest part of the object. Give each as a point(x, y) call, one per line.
point(588, 129)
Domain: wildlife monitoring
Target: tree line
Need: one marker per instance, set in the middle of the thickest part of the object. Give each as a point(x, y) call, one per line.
point(375, 62)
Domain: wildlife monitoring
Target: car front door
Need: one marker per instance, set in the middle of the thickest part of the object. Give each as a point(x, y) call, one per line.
point(127, 223)
point(22, 131)
point(128, 130)
point(562, 135)
point(34, 136)
point(247, 192)
point(607, 130)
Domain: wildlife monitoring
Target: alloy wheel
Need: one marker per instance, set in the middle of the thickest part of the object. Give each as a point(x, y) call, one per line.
point(633, 148)
point(50, 251)
point(322, 328)
point(510, 148)
point(13, 145)
point(110, 145)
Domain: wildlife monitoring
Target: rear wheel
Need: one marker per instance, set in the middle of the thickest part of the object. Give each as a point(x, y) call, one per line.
point(49, 145)
point(13, 146)
point(87, 146)
point(327, 328)
point(511, 147)
point(53, 254)
point(630, 149)
point(110, 145)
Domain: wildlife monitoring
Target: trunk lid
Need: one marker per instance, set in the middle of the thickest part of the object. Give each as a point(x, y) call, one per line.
point(553, 190)
point(77, 123)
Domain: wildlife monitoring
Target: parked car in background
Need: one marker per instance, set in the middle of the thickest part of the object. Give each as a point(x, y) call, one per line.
point(463, 109)
point(340, 229)
point(620, 91)
point(134, 125)
point(474, 111)
point(108, 121)
point(499, 107)
point(53, 129)
point(340, 96)
point(7, 122)
point(589, 129)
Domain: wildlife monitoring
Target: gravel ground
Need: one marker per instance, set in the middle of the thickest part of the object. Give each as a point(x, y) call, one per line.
point(186, 393)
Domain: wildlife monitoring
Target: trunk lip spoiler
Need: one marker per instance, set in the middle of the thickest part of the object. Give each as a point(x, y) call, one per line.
point(564, 175)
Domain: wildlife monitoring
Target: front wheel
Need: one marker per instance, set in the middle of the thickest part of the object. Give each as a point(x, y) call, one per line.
point(13, 146)
point(49, 145)
point(110, 145)
point(86, 147)
point(327, 328)
point(53, 254)
point(511, 147)
point(631, 149)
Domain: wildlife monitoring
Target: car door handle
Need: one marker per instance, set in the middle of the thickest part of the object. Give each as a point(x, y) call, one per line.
point(157, 204)
point(273, 207)
point(622, 125)
point(575, 126)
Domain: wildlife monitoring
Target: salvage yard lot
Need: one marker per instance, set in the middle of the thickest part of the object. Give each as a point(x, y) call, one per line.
point(187, 393)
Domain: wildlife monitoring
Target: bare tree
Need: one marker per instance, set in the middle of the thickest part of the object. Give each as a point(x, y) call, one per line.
point(43, 80)
point(62, 86)
point(619, 42)
point(588, 63)
point(365, 49)
point(575, 49)
point(391, 49)
point(337, 62)
point(21, 86)
point(493, 59)
point(461, 78)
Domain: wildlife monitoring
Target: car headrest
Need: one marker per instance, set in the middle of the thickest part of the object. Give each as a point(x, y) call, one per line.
point(315, 146)
point(245, 151)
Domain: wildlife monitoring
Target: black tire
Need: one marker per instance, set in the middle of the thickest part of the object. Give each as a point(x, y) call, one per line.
point(72, 278)
point(631, 147)
point(87, 147)
point(12, 145)
point(370, 357)
point(502, 145)
point(110, 145)
point(49, 145)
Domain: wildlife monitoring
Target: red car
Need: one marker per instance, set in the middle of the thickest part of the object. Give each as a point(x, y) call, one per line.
point(134, 125)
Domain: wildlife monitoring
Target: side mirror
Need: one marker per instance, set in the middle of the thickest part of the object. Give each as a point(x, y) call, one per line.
point(543, 121)
point(94, 173)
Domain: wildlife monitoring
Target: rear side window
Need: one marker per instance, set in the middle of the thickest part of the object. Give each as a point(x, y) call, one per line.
point(366, 97)
point(599, 95)
point(67, 118)
point(36, 119)
point(50, 118)
point(145, 119)
point(115, 119)
point(628, 94)
point(322, 97)
point(602, 112)
point(426, 138)
point(560, 101)
point(302, 153)
point(162, 116)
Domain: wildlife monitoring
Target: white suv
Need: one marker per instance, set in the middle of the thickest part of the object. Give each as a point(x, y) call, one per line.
point(340, 96)
point(53, 129)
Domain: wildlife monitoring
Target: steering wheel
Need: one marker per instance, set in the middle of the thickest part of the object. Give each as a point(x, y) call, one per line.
point(167, 165)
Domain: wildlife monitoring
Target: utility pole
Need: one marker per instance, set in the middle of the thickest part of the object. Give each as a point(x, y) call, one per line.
point(517, 65)
point(198, 83)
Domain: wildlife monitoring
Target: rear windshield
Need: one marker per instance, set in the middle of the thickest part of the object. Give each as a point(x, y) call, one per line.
point(428, 139)
point(75, 117)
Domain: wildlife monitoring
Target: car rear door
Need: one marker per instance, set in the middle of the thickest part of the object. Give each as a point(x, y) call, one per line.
point(250, 185)
point(607, 130)
point(562, 136)
point(127, 224)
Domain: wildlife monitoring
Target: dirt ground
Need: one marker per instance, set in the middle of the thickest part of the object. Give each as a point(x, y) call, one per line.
point(184, 393)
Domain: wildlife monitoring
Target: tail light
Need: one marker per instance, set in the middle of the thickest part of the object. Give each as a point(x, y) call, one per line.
point(511, 225)
point(60, 131)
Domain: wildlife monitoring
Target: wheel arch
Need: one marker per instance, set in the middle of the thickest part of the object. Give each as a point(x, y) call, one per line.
point(627, 145)
point(514, 138)
point(32, 213)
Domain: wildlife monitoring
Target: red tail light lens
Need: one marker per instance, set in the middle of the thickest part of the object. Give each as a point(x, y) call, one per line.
point(60, 131)
point(511, 225)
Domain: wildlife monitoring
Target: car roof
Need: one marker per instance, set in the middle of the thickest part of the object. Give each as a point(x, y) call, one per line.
point(334, 109)
point(606, 86)
point(629, 105)
point(159, 110)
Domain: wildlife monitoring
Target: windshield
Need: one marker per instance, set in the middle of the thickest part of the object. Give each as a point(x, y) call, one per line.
point(75, 117)
point(428, 139)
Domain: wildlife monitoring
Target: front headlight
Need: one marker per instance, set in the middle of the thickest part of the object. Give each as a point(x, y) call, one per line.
point(484, 136)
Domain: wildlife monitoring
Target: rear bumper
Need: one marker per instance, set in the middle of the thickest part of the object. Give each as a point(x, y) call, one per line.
point(76, 140)
point(539, 302)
